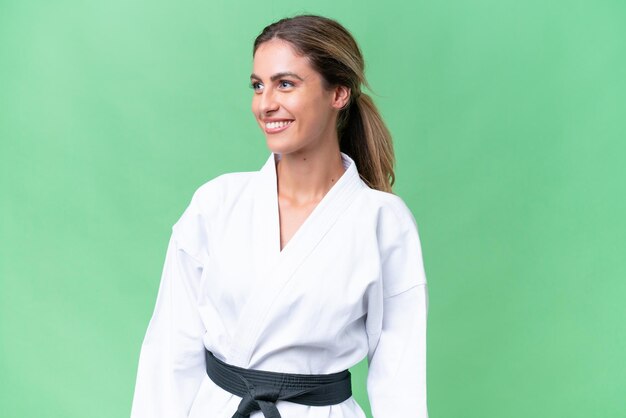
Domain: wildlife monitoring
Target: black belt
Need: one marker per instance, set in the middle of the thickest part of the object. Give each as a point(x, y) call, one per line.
point(260, 390)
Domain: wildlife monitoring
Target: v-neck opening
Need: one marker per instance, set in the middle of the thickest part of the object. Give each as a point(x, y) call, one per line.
point(345, 160)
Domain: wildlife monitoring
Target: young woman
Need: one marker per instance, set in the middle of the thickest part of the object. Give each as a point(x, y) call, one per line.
point(277, 281)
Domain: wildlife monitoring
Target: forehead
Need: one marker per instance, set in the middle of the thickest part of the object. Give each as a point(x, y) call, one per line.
point(277, 56)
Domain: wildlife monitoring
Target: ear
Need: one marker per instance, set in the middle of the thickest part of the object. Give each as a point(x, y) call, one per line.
point(341, 97)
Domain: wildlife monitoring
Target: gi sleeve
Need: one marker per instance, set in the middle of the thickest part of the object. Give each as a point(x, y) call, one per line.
point(171, 363)
point(396, 326)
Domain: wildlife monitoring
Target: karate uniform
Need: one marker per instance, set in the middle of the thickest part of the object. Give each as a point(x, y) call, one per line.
point(349, 284)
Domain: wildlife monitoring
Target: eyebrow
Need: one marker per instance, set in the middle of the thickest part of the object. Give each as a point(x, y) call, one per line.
point(278, 75)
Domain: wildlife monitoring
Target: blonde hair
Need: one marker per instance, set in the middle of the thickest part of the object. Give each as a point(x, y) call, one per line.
point(333, 52)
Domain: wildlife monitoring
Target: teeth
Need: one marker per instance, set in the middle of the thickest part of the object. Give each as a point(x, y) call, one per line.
point(275, 125)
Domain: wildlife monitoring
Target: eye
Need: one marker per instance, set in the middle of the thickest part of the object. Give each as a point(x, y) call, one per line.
point(256, 86)
point(285, 84)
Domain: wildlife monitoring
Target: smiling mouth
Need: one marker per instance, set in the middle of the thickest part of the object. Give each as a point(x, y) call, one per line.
point(277, 126)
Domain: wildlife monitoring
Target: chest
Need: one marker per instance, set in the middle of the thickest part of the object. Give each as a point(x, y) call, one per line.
point(291, 218)
point(327, 276)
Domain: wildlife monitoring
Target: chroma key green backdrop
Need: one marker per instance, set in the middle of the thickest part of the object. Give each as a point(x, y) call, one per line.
point(509, 126)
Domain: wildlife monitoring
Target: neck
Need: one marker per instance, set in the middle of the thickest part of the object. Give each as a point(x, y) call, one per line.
point(305, 177)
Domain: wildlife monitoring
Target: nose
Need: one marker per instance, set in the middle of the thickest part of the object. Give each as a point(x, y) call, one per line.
point(267, 102)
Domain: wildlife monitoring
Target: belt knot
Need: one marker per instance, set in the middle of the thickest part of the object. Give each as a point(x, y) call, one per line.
point(258, 399)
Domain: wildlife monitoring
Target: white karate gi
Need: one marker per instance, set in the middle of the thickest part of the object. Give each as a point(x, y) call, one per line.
point(350, 283)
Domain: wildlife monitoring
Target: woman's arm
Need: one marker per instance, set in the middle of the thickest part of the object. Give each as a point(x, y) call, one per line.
point(396, 322)
point(171, 364)
point(397, 366)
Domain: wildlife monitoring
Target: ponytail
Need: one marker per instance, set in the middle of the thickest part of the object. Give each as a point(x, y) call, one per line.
point(366, 139)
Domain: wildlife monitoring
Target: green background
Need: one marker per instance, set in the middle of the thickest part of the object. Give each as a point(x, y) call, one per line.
point(508, 120)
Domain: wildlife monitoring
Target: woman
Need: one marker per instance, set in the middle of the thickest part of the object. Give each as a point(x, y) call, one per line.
point(277, 281)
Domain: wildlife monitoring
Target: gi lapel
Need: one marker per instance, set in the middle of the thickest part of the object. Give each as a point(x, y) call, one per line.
point(265, 220)
point(275, 274)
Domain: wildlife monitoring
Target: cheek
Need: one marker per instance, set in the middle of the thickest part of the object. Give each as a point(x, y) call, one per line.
point(315, 110)
point(301, 108)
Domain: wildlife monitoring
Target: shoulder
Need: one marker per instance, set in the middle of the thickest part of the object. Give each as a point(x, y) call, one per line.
point(221, 188)
point(398, 242)
point(388, 207)
point(212, 198)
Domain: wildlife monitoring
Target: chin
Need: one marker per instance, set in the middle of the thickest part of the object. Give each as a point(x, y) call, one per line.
point(278, 146)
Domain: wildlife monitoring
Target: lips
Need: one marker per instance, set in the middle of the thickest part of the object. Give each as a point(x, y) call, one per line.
point(276, 126)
